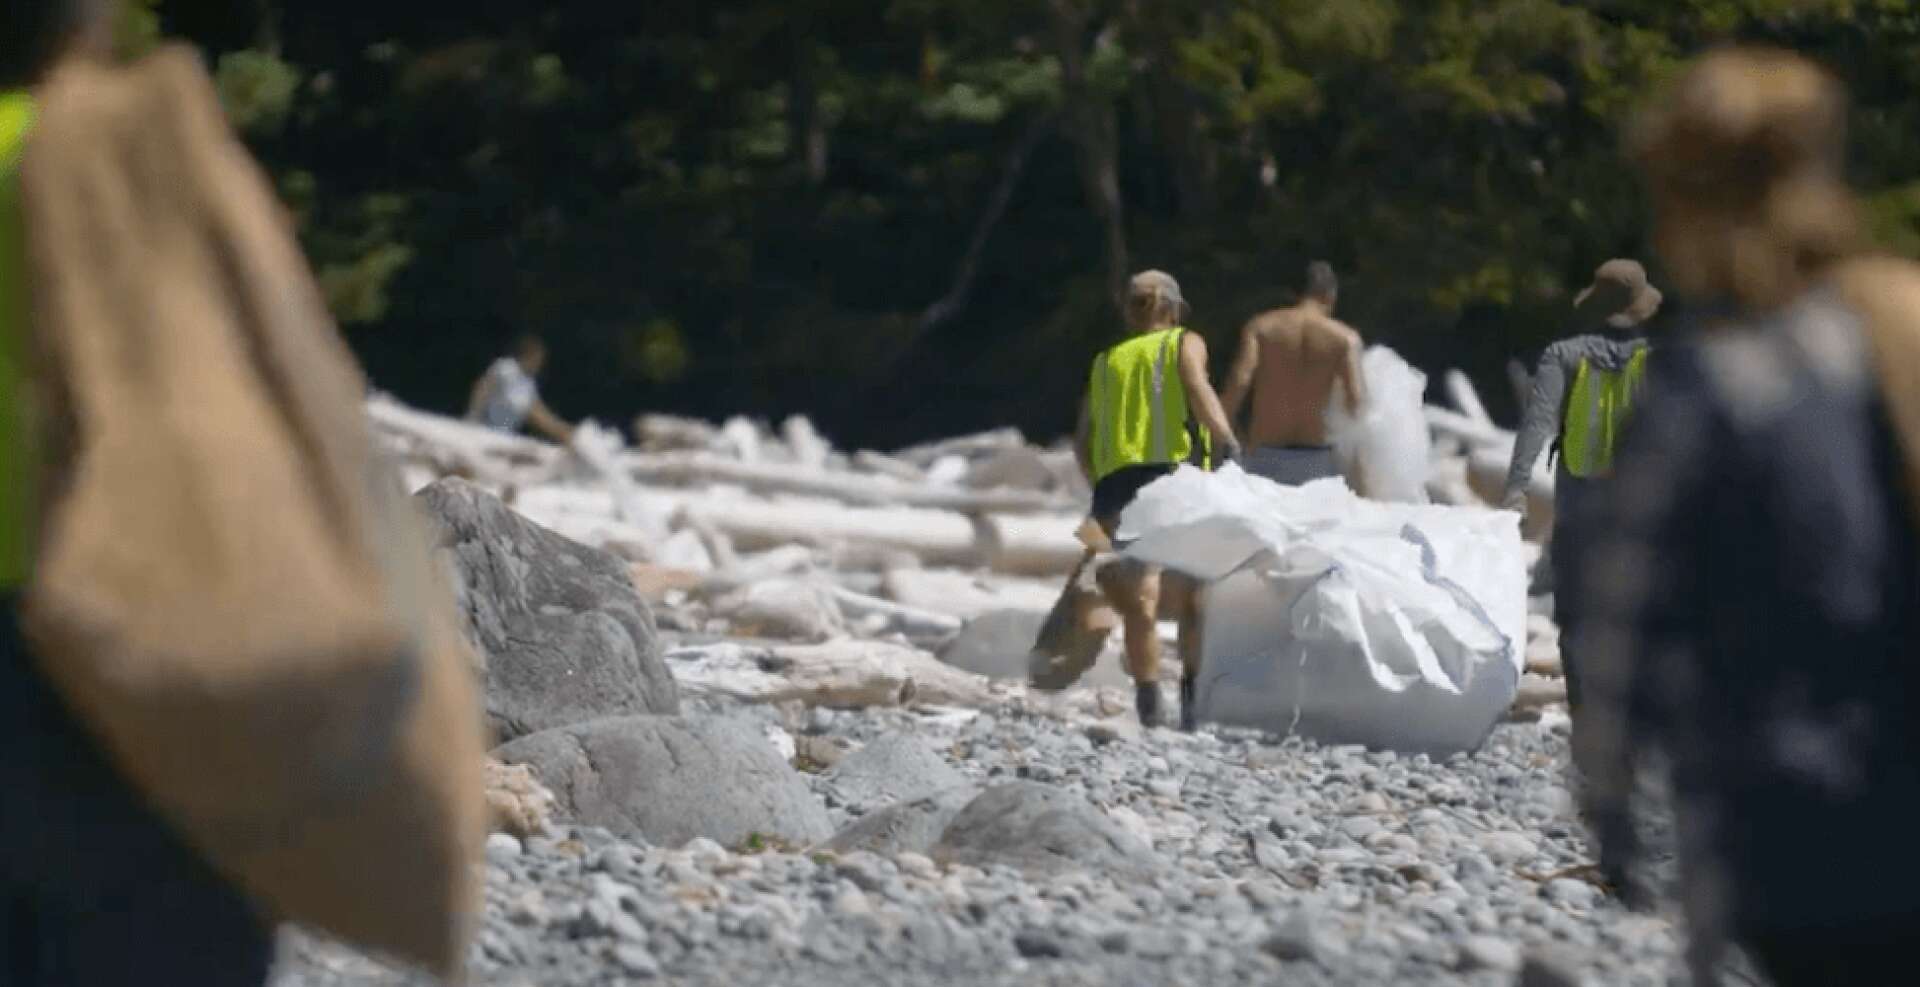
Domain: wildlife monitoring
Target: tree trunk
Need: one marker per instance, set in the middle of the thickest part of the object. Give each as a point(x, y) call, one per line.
point(1094, 125)
point(806, 130)
point(954, 302)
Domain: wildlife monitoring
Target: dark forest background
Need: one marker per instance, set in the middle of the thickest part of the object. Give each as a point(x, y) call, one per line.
point(907, 217)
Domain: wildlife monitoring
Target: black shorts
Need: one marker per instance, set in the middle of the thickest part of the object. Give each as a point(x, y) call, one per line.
point(95, 889)
point(1113, 493)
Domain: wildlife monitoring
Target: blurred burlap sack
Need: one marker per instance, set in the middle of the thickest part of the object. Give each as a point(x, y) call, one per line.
point(232, 590)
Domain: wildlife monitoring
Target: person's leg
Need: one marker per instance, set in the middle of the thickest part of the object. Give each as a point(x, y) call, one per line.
point(1565, 612)
point(1820, 957)
point(1188, 600)
point(98, 890)
point(1134, 591)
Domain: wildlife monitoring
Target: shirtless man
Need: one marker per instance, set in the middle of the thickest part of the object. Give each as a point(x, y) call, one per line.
point(1292, 359)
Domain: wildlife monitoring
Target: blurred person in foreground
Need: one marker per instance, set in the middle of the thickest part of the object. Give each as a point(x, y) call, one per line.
point(1581, 399)
point(95, 889)
point(1752, 581)
point(1145, 395)
point(1291, 361)
point(507, 396)
point(232, 686)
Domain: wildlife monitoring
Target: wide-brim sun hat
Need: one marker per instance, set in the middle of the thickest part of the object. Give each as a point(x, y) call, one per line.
point(1620, 295)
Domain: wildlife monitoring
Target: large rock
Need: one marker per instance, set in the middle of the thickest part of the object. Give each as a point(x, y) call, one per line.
point(667, 781)
point(1043, 830)
point(892, 768)
point(997, 644)
point(565, 636)
point(905, 827)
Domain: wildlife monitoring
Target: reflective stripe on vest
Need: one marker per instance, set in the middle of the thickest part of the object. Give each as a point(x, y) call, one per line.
point(1138, 405)
point(16, 479)
point(1597, 411)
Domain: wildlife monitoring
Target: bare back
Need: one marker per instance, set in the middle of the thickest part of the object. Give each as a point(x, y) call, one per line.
point(1293, 359)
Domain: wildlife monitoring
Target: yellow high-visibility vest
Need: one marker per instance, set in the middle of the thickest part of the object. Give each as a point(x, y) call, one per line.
point(17, 479)
point(1137, 406)
point(1598, 407)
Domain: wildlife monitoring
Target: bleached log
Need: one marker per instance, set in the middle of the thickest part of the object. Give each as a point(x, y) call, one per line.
point(704, 469)
point(937, 537)
point(890, 466)
point(966, 446)
point(1465, 398)
point(779, 563)
point(657, 433)
point(745, 438)
point(1474, 434)
point(1031, 544)
point(916, 624)
point(1019, 468)
point(1447, 483)
point(455, 435)
point(841, 674)
point(959, 594)
point(805, 442)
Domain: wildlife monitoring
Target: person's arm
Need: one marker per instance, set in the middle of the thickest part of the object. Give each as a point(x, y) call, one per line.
point(1538, 422)
point(1201, 397)
point(1351, 379)
point(1083, 439)
point(1637, 575)
point(542, 417)
point(482, 393)
point(1240, 378)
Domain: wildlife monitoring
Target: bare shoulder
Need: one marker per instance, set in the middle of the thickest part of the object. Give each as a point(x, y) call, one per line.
point(1331, 334)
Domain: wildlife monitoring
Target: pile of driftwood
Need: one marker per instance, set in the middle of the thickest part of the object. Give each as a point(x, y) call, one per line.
point(749, 532)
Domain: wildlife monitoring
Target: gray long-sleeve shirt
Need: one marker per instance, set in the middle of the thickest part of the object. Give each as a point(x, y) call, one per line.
point(1540, 421)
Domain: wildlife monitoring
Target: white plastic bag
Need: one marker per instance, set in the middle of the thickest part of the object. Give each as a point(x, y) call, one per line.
point(1396, 626)
point(1389, 439)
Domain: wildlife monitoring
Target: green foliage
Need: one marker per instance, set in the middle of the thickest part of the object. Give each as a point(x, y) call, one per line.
point(741, 205)
point(136, 28)
point(257, 89)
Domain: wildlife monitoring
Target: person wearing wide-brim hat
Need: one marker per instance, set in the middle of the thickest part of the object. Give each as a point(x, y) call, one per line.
point(1583, 392)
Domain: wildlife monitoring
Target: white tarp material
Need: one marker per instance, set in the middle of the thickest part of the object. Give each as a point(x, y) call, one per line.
point(1397, 626)
point(1389, 438)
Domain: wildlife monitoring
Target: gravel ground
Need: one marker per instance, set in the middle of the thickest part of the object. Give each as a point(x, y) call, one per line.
point(1277, 863)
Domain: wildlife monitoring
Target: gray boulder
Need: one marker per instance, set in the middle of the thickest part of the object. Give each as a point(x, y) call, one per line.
point(1043, 830)
point(905, 827)
point(564, 636)
point(995, 644)
point(892, 768)
point(667, 781)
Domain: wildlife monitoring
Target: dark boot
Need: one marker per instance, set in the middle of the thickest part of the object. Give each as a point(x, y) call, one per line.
point(1189, 717)
point(1146, 699)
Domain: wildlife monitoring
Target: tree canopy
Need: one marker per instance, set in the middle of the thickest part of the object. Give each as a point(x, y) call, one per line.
point(910, 216)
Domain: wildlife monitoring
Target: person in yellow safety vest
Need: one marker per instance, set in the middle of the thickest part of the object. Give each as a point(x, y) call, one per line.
point(1150, 406)
point(96, 890)
point(1583, 395)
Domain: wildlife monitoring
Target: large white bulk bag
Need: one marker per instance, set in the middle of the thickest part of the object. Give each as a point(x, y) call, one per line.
point(1397, 626)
